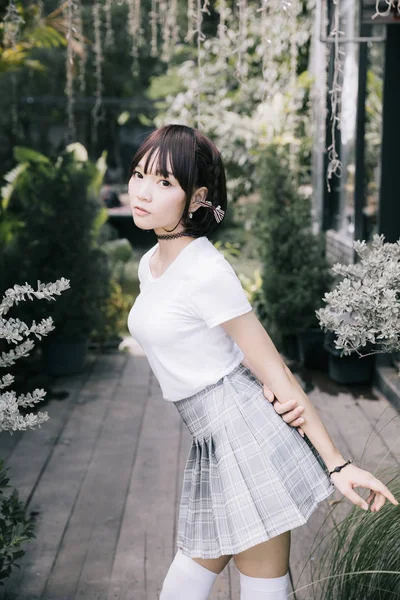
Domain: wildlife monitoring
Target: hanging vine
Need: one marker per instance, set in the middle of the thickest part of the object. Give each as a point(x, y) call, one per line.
point(335, 93)
point(135, 32)
point(277, 50)
point(83, 53)
point(242, 66)
point(109, 36)
point(153, 28)
point(13, 22)
point(69, 86)
point(222, 29)
point(292, 108)
point(97, 112)
point(200, 39)
point(191, 21)
point(392, 6)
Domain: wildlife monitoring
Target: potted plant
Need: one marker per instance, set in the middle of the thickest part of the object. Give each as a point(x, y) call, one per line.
point(296, 273)
point(362, 310)
point(348, 369)
point(58, 201)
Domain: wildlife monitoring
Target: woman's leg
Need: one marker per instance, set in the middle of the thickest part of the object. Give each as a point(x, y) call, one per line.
point(191, 577)
point(263, 569)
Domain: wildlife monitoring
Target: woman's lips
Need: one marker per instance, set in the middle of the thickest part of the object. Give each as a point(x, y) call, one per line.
point(140, 211)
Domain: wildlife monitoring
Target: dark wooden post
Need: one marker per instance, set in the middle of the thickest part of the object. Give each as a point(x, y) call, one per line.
point(359, 192)
point(389, 201)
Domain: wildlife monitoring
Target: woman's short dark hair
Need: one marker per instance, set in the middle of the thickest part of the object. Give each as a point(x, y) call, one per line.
point(195, 163)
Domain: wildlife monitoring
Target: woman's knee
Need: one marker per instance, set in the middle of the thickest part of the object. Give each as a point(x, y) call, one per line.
point(191, 577)
point(216, 565)
point(268, 559)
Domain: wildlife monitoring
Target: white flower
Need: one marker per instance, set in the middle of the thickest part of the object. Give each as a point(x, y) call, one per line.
point(79, 151)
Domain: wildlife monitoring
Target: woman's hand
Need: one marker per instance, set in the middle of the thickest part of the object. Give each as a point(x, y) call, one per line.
point(289, 411)
point(351, 476)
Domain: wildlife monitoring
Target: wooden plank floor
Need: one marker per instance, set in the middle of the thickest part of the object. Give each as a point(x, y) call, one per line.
point(103, 477)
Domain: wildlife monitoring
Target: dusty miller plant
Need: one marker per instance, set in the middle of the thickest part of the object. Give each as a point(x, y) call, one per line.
point(14, 331)
point(364, 308)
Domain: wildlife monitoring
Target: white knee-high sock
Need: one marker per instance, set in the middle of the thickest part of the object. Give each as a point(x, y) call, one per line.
point(186, 579)
point(259, 588)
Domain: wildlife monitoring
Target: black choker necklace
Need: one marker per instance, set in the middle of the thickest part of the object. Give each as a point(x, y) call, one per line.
point(171, 236)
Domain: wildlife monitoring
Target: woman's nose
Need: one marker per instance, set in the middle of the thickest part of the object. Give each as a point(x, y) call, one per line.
point(144, 191)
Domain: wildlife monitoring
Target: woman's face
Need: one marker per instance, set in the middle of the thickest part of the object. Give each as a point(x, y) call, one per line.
point(162, 198)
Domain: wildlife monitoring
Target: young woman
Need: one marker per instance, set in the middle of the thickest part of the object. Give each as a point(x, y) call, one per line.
point(249, 477)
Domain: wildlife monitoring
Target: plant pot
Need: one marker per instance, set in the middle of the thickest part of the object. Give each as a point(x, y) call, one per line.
point(312, 353)
point(349, 368)
point(290, 346)
point(65, 355)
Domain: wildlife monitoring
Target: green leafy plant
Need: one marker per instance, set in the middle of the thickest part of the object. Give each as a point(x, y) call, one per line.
point(296, 273)
point(115, 312)
point(255, 295)
point(15, 528)
point(34, 32)
point(57, 199)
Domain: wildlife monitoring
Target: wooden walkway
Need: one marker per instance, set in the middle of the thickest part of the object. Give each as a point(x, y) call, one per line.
point(103, 477)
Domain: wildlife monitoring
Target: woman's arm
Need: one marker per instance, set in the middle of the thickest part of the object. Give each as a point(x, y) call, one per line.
point(258, 348)
point(266, 361)
point(290, 410)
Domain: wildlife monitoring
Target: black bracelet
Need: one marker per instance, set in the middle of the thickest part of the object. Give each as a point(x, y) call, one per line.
point(337, 469)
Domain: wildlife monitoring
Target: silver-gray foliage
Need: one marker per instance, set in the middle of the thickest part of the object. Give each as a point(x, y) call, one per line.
point(14, 331)
point(365, 306)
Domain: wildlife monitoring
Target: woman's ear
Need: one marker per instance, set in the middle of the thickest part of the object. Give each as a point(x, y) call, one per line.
point(200, 194)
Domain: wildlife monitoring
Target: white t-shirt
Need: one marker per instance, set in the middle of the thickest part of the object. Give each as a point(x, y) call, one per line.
point(176, 318)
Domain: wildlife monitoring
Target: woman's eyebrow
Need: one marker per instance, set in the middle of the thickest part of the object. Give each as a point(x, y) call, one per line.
point(157, 172)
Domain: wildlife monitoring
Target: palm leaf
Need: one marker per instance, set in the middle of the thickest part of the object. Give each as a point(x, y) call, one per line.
point(46, 36)
point(23, 155)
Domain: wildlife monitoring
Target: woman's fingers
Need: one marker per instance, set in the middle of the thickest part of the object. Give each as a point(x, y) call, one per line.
point(379, 501)
point(370, 497)
point(290, 412)
point(289, 415)
point(356, 477)
point(268, 393)
point(356, 499)
point(383, 491)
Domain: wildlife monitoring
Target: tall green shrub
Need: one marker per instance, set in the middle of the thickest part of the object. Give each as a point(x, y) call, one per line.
point(295, 271)
point(57, 199)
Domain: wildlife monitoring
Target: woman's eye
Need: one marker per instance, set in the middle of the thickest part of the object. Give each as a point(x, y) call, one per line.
point(137, 172)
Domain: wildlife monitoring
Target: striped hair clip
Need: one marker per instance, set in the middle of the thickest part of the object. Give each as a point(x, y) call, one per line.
point(218, 212)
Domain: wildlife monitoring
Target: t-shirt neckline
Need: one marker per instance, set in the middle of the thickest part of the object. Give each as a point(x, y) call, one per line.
point(169, 268)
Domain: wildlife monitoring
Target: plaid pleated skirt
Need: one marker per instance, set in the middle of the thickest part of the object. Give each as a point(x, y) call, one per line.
point(249, 476)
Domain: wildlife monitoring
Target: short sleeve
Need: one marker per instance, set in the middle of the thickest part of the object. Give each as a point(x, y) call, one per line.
point(219, 295)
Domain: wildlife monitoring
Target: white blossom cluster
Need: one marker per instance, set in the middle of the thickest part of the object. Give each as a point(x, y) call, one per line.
point(365, 306)
point(14, 331)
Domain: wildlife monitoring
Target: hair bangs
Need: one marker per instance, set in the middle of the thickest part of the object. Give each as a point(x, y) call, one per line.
point(176, 143)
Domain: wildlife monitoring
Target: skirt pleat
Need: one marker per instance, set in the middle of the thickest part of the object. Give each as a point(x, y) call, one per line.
point(249, 476)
